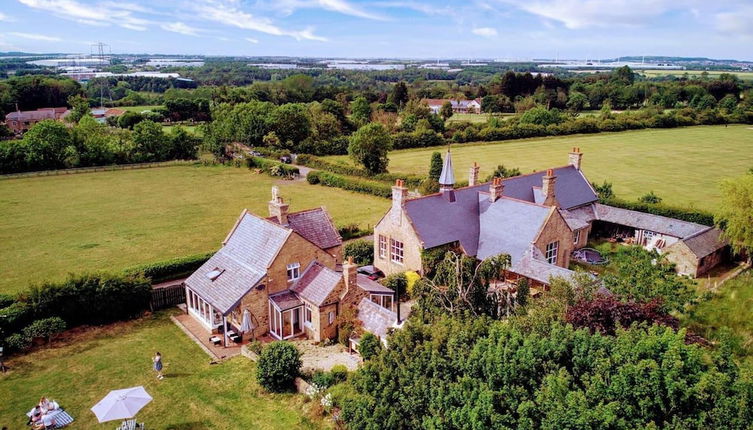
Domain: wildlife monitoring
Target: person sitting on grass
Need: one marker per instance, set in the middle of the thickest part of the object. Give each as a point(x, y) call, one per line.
point(36, 415)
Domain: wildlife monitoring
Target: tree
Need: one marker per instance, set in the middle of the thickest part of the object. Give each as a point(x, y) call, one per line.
point(577, 102)
point(446, 110)
point(541, 116)
point(278, 366)
point(369, 346)
point(360, 110)
point(523, 292)
point(503, 172)
point(399, 94)
point(291, 123)
point(604, 191)
point(369, 147)
point(361, 250)
point(735, 213)
point(435, 166)
point(129, 119)
point(80, 108)
point(151, 142)
point(183, 144)
point(48, 145)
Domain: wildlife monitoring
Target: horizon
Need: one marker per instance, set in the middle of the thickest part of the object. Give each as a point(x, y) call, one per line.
point(479, 29)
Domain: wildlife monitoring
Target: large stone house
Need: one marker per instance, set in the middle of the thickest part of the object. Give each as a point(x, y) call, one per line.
point(537, 219)
point(282, 275)
point(458, 106)
point(21, 121)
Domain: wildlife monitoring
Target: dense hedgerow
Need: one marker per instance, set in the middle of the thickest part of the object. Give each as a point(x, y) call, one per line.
point(272, 168)
point(378, 189)
point(170, 269)
point(349, 170)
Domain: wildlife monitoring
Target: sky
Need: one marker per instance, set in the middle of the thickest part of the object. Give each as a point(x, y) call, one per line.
point(429, 29)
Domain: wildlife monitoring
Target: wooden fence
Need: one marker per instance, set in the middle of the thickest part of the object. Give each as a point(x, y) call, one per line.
point(167, 296)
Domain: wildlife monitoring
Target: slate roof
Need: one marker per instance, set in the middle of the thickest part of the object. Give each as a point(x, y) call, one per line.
point(371, 286)
point(572, 188)
point(248, 251)
point(508, 226)
point(286, 300)
point(705, 242)
point(447, 177)
point(315, 226)
point(235, 281)
point(532, 265)
point(376, 319)
point(573, 221)
point(36, 115)
point(316, 283)
point(644, 221)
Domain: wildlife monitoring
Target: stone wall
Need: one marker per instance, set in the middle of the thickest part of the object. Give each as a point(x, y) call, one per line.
point(556, 229)
point(685, 261)
point(395, 225)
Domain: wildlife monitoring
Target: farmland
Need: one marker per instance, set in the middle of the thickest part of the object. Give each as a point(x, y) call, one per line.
point(683, 165)
point(195, 394)
point(745, 76)
point(112, 220)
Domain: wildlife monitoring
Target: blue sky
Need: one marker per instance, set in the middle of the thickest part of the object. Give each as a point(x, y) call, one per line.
point(384, 28)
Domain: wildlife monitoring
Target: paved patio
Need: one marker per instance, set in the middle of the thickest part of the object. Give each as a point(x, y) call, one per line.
point(325, 357)
point(199, 334)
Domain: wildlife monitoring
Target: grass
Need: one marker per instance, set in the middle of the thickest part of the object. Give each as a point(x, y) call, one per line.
point(729, 309)
point(476, 117)
point(111, 220)
point(194, 394)
point(193, 129)
point(140, 108)
point(683, 166)
point(746, 76)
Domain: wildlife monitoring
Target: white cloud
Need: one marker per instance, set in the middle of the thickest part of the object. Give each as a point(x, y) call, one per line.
point(287, 7)
point(35, 36)
point(4, 17)
point(100, 15)
point(346, 8)
point(578, 14)
point(179, 27)
point(251, 40)
point(427, 9)
point(735, 23)
point(485, 32)
point(226, 13)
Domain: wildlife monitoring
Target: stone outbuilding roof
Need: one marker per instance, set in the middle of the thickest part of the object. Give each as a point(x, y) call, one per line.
point(314, 225)
point(508, 226)
point(532, 265)
point(376, 319)
point(286, 300)
point(645, 221)
point(705, 242)
point(371, 286)
point(316, 283)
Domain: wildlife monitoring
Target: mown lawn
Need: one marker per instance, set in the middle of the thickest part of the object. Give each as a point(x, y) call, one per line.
point(80, 371)
point(111, 220)
point(140, 108)
point(731, 308)
point(683, 166)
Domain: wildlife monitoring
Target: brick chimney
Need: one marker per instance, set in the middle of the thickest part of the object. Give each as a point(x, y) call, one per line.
point(350, 275)
point(473, 175)
point(547, 188)
point(496, 187)
point(575, 157)
point(278, 208)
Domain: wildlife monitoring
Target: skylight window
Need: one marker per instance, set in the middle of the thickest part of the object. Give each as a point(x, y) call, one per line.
point(214, 274)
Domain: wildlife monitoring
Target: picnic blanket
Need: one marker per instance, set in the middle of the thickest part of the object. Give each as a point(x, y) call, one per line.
point(60, 417)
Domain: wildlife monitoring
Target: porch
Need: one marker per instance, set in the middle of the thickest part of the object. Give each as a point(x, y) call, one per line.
point(201, 335)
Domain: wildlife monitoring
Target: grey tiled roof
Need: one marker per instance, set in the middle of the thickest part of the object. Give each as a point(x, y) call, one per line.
point(316, 283)
point(447, 177)
point(573, 221)
point(572, 189)
point(644, 221)
point(376, 319)
point(235, 281)
point(371, 286)
point(532, 265)
point(286, 300)
point(705, 242)
point(508, 226)
point(248, 251)
point(314, 225)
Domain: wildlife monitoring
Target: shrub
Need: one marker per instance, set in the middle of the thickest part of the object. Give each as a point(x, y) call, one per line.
point(352, 231)
point(278, 366)
point(322, 379)
point(6, 300)
point(15, 316)
point(361, 250)
point(170, 269)
point(352, 184)
point(349, 170)
point(411, 277)
point(369, 346)
point(605, 314)
point(339, 373)
point(17, 342)
point(650, 198)
point(397, 282)
point(46, 328)
point(272, 168)
point(256, 347)
point(313, 177)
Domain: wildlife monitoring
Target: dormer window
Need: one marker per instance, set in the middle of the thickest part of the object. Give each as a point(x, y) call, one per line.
point(214, 274)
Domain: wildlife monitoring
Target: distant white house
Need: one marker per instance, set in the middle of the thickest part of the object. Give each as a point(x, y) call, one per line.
point(458, 106)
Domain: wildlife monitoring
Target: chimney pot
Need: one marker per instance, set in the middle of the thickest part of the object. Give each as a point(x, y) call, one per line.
point(496, 189)
point(547, 188)
point(473, 175)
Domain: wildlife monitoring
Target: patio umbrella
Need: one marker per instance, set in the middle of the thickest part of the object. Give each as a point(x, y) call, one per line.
point(246, 324)
point(121, 404)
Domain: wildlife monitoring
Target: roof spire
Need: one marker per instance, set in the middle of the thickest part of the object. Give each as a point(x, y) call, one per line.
point(447, 178)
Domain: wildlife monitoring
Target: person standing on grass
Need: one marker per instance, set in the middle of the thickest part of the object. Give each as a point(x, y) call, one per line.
point(158, 365)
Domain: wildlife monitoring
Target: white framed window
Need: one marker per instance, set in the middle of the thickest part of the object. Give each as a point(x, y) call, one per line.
point(307, 314)
point(294, 271)
point(382, 246)
point(396, 251)
point(383, 300)
point(551, 252)
point(576, 236)
point(331, 317)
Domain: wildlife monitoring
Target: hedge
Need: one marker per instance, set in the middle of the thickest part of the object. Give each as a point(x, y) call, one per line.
point(83, 299)
point(689, 215)
point(270, 167)
point(378, 189)
point(170, 269)
point(353, 231)
point(318, 163)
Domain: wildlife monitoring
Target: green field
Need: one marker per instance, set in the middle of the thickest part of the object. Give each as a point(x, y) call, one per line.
point(140, 108)
point(193, 129)
point(111, 220)
point(682, 165)
point(193, 395)
point(745, 76)
point(476, 117)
